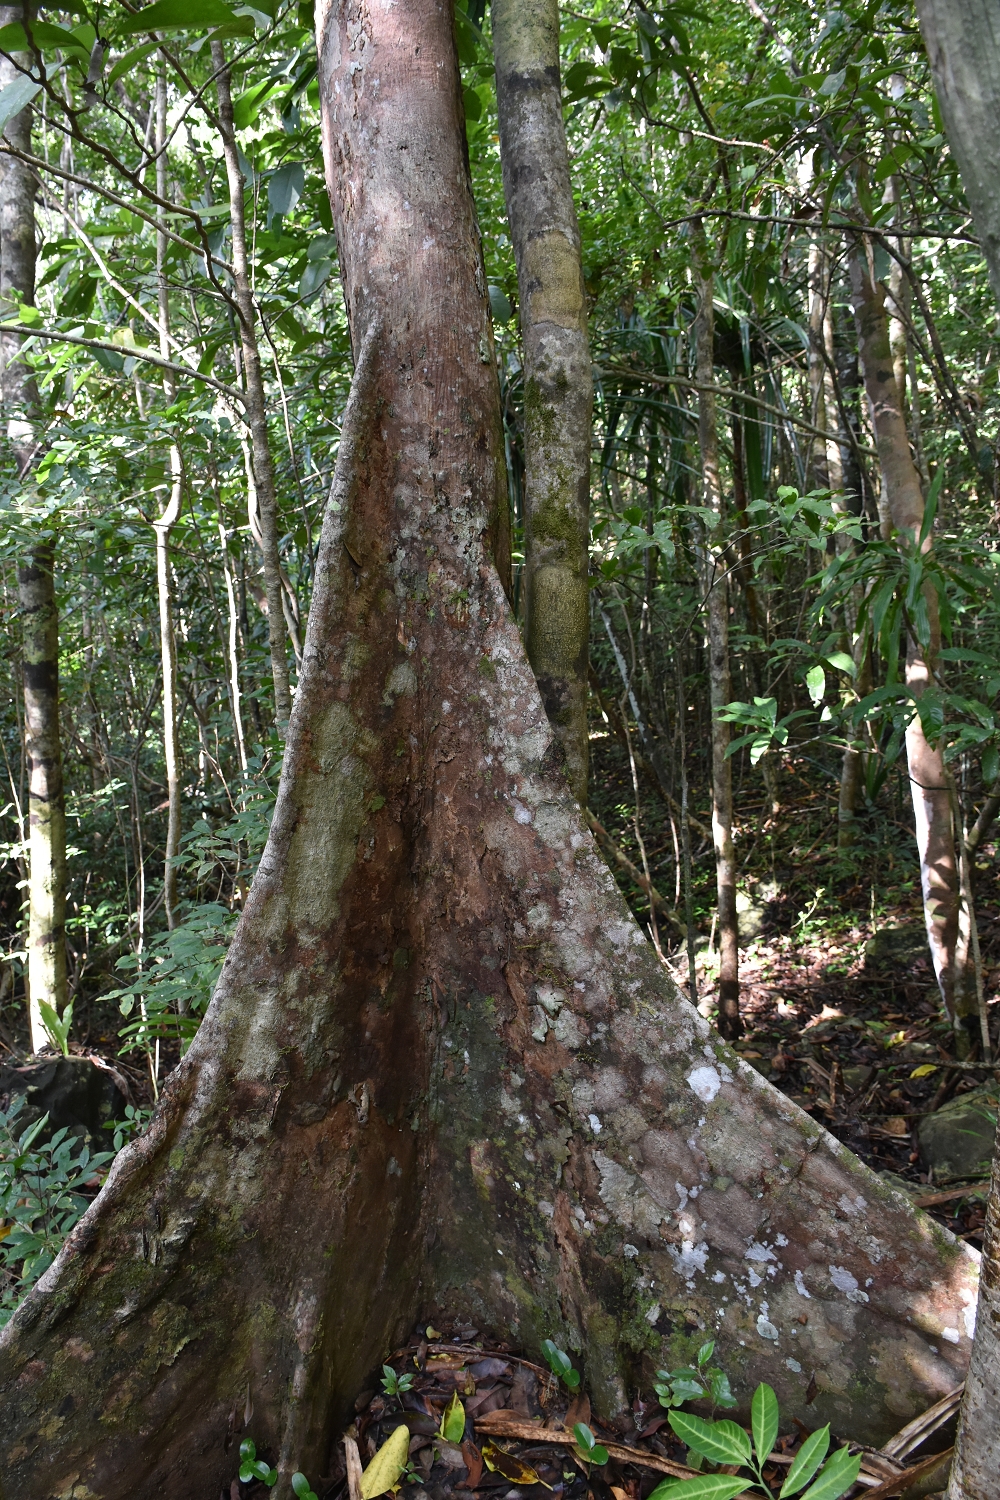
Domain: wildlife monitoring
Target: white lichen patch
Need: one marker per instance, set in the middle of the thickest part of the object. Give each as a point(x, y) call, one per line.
point(705, 1082)
point(845, 1282)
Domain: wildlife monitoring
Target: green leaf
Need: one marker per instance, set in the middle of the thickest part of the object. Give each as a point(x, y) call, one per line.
point(248, 106)
point(15, 96)
point(387, 1465)
point(302, 1487)
point(721, 1393)
point(44, 38)
point(704, 1487)
point(453, 1420)
point(178, 15)
point(705, 1353)
point(816, 684)
point(842, 662)
point(836, 1476)
point(473, 104)
point(764, 1420)
point(131, 60)
point(722, 1442)
point(991, 763)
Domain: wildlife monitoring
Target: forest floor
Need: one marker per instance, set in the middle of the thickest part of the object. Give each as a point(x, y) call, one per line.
point(838, 997)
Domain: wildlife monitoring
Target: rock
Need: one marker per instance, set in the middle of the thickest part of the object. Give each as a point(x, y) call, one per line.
point(957, 1140)
point(896, 945)
point(857, 1076)
point(903, 1185)
point(750, 917)
point(73, 1091)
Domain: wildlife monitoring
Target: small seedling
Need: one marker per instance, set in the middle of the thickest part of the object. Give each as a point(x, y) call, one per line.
point(302, 1487)
point(561, 1365)
point(252, 1467)
point(393, 1384)
point(588, 1449)
point(727, 1443)
point(697, 1382)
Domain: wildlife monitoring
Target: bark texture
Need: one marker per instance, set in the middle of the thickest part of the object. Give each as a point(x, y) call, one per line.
point(719, 675)
point(442, 1067)
point(255, 399)
point(962, 38)
point(558, 386)
point(925, 762)
point(36, 590)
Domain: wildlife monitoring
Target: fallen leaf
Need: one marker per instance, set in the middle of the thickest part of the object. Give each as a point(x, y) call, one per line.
point(897, 1125)
point(579, 1411)
point(924, 1071)
point(474, 1464)
point(499, 1462)
point(453, 1421)
point(432, 1333)
point(387, 1465)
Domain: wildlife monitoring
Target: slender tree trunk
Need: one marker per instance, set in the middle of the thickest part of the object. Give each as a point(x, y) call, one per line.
point(163, 528)
point(963, 43)
point(367, 1126)
point(256, 402)
point(558, 387)
point(36, 586)
point(928, 777)
point(720, 683)
point(819, 296)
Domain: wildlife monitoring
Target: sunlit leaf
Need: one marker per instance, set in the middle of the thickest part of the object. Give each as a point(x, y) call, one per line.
point(764, 1420)
point(722, 1442)
point(806, 1461)
point(178, 15)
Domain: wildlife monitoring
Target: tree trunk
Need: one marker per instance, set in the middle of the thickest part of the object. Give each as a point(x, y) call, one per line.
point(720, 684)
point(558, 387)
point(928, 777)
point(163, 528)
point(962, 38)
point(963, 43)
point(36, 588)
point(442, 1067)
point(255, 399)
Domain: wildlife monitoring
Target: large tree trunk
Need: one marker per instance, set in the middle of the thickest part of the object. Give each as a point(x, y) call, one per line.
point(442, 1067)
point(719, 675)
point(558, 386)
point(962, 38)
point(37, 592)
point(963, 43)
point(925, 762)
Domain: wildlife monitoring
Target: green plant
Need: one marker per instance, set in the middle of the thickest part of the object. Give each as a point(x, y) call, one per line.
point(727, 1443)
point(302, 1487)
point(40, 1200)
point(252, 1467)
point(393, 1384)
point(588, 1449)
point(697, 1382)
point(57, 1026)
point(135, 1121)
point(560, 1364)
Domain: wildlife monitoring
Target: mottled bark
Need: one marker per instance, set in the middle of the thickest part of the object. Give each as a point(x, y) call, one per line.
point(962, 38)
point(558, 387)
point(719, 674)
point(442, 1067)
point(36, 590)
point(163, 527)
point(255, 399)
point(925, 762)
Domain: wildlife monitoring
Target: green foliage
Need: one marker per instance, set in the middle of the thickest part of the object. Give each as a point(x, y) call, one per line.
point(135, 1121)
point(42, 1197)
point(587, 1448)
point(302, 1488)
point(560, 1364)
point(726, 1442)
point(698, 1382)
point(252, 1467)
point(57, 1026)
point(393, 1384)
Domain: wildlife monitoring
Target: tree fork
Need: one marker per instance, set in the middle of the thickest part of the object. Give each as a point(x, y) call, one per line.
point(558, 385)
point(442, 1067)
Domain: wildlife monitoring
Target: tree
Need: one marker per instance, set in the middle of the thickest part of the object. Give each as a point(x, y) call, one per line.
point(963, 44)
point(558, 391)
point(37, 590)
point(442, 1066)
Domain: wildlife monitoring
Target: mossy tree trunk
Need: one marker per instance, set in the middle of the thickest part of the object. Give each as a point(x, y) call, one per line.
point(558, 386)
point(36, 589)
point(443, 1068)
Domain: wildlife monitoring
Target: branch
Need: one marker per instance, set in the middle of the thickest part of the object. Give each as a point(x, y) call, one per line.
point(129, 351)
